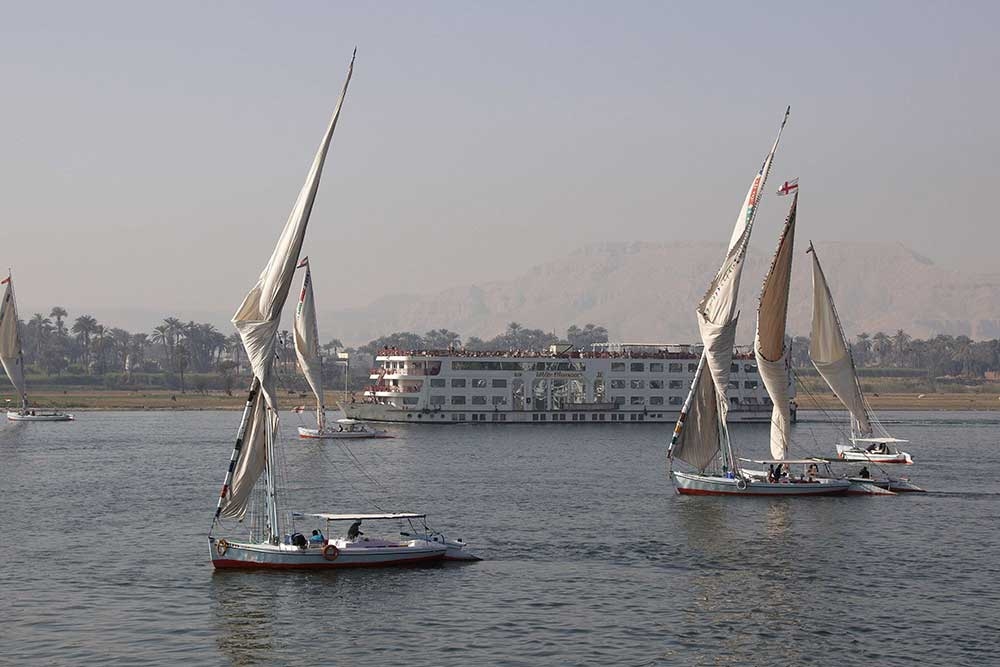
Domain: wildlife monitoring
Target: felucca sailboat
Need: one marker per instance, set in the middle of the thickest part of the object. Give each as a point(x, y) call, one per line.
point(831, 355)
point(306, 336)
point(701, 436)
point(251, 493)
point(12, 358)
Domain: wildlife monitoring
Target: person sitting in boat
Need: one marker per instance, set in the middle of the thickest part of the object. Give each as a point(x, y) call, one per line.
point(864, 474)
point(877, 448)
point(812, 471)
point(355, 530)
point(771, 477)
point(317, 538)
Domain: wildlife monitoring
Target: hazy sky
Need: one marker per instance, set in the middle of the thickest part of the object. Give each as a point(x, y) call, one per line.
point(151, 151)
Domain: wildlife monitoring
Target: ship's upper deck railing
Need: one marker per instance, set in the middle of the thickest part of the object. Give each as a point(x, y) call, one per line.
point(627, 352)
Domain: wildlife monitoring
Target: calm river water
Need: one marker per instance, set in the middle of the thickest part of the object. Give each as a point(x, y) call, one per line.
point(591, 558)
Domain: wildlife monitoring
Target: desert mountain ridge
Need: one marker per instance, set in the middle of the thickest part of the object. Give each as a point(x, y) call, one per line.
point(647, 292)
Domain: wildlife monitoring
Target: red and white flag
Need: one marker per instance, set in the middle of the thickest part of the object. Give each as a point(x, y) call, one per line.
point(304, 262)
point(789, 187)
point(5, 280)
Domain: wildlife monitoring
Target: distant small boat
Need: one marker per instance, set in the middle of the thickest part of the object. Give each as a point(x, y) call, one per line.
point(12, 358)
point(346, 429)
point(831, 355)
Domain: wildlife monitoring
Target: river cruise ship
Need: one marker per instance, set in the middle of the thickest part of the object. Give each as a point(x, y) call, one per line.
point(611, 384)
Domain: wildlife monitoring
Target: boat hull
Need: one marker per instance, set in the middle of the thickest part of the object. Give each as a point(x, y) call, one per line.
point(44, 417)
point(710, 485)
point(893, 485)
point(237, 555)
point(848, 453)
point(316, 434)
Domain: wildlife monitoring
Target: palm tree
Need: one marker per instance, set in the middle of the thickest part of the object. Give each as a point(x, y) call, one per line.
point(863, 348)
point(58, 313)
point(83, 327)
point(235, 345)
point(137, 350)
point(161, 334)
point(901, 345)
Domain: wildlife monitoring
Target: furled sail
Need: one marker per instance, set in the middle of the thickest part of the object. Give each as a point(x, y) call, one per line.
point(10, 342)
point(750, 203)
point(769, 344)
point(307, 342)
point(257, 323)
point(830, 354)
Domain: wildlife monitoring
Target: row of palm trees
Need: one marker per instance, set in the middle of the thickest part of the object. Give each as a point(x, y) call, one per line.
point(53, 345)
point(942, 355)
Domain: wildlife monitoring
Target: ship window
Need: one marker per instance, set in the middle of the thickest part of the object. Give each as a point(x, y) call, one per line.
point(676, 400)
point(751, 400)
point(637, 400)
point(499, 384)
point(542, 417)
point(638, 367)
point(602, 417)
point(478, 383)
point(499, 400)
point(766, 401)
point(503, 416)
point(734, 384)
point(410, 400)
point(618, 384)
point(749, 368)
point(593, 417)
point(618, 366)
point(656, 400)
point(458, 382)
point(749, 384)
point(638, 384)
point(618, 400)
point(735, 401)
point(676, 368)
point(692, 368)
point(437, 382)
point(437, 400)
point(461, 417)
point(657, 384)
point(479, 400)
point(676, 384)
point(656, 367)
point(734, 368)
point(458, 400)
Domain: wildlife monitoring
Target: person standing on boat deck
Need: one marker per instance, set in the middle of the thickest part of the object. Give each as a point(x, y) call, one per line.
point(354, 530)
point(317, 538)
point(863, 473)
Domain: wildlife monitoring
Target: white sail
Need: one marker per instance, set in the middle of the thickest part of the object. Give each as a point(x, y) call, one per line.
point(697, 442)
point(769, 343)
point(717, 320)
point(751, 201)
point(257, 323)
point(10, 343)
point(307, 343)
point(830, 354)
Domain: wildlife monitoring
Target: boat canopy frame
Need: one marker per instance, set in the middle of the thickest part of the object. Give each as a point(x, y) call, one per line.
point(358, 516)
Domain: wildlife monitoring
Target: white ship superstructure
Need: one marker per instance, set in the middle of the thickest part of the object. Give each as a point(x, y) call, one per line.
point(614, 383)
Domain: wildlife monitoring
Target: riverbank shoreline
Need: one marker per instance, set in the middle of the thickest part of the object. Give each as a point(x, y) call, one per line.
point(114, 399)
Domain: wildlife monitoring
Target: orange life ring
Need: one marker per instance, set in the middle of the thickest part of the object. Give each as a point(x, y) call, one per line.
point(331, 552)
point(221, 547)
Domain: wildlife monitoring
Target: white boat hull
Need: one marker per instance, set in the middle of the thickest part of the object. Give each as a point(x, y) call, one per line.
point(40, 417)
point(851, 453)
point(336, 554)
point(340, 435)
point(710, 485)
